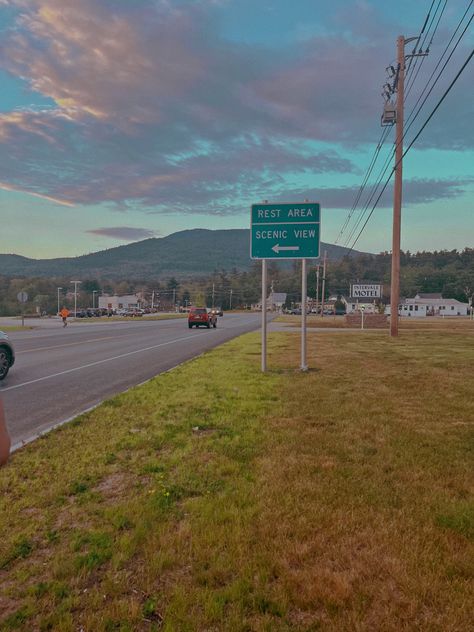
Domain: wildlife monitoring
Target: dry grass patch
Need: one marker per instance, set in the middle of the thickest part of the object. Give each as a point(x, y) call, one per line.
point(313, 320)
point(218, 498)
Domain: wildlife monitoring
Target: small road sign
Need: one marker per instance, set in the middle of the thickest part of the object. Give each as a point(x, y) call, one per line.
point(285, 231)
point(22, 297)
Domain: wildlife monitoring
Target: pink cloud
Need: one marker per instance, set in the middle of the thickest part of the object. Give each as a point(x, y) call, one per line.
point(153, 106)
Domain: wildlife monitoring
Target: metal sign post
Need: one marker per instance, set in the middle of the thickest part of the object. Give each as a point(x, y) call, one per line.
point(264, 315)
point(285, 231)
point(22, 298)
point(304, 292)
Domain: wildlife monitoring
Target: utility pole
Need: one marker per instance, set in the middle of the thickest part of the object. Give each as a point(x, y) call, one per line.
point(397, 191)
point(213, 294)
point(323, 289)
point(230, 303)
point(174, 298)
point(399, 86)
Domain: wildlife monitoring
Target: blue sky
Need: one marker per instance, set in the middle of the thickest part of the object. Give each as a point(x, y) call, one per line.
point(122, 120)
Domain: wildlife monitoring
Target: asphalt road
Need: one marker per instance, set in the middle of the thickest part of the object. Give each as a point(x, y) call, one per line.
point(61, 372)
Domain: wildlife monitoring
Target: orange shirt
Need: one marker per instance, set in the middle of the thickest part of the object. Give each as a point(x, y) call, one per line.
point(64, 313)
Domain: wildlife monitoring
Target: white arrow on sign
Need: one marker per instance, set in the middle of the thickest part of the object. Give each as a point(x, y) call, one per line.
point(277, 248)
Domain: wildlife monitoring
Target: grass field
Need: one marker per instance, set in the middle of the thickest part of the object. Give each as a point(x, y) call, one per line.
point(218, 498)
point(459, 323)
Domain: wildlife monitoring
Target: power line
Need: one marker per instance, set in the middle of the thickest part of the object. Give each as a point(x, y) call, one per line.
point(381, 141)
point(389, 156)
point(411, 80)
point(413, 141)
point(367, 176)
point(437, 66)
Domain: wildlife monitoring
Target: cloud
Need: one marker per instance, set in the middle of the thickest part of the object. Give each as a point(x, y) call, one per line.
point(153, 106)
point(415, 191)
point(126, 233)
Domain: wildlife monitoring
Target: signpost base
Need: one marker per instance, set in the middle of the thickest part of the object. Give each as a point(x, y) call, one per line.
point(264, 315)
point(304, 292)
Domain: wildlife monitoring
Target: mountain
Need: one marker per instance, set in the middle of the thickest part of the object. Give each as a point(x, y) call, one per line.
point(188, 253)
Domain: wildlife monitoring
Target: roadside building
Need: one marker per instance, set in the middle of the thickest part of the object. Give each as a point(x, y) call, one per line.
point(423, 305)
point(276, 300)
point(128, 301)
point(432, 305)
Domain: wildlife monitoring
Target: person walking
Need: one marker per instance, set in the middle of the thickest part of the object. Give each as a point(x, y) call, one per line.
point(64, 313)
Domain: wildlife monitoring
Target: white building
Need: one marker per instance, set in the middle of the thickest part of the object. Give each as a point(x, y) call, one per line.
point(276, 300)
point(128, 301)
point(432, 305)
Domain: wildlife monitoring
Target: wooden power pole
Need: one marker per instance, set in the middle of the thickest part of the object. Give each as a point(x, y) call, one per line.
point(397, 192)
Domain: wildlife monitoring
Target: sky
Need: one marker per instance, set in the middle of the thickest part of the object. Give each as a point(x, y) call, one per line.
point(122, 120)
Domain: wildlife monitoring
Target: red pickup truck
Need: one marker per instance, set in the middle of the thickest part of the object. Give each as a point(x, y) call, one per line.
point(199, 316)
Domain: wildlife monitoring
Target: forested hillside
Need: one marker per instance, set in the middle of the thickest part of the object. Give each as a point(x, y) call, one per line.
point(448, 272)
point(196, 252)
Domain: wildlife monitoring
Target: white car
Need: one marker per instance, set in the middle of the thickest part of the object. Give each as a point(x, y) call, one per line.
point(7, 355)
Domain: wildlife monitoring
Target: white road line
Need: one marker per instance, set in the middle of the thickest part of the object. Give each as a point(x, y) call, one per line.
point(86, 366)
point(71, 344)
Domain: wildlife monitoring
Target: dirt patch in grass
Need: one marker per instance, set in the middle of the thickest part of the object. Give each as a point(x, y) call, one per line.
point(218, 498)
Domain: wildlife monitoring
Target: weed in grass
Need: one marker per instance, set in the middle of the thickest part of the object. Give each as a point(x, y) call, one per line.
point(111, 625)
point(122, 522)
point(98, 547)
point(17, 619)
point(40, 589)
point(153, 467)
point(110, 458)
point(21, 549)
point(52, 536)
point(459, 519)
point(78, 487)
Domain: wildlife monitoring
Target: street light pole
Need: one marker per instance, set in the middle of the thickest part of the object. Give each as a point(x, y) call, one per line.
point(94, 292)
point(76, 283)
point(59, 288)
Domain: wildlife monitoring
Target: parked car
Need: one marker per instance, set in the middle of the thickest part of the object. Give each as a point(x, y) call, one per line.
point(201, 316)
point(7, 355)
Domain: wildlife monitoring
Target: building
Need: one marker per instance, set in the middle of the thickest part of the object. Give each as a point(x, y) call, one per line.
point(128, 301)
point(432, 305)
point(276, 300)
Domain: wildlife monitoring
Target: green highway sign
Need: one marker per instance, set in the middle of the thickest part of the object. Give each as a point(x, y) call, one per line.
point(285, 231)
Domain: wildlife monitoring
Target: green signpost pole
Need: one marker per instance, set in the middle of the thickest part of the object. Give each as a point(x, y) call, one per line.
point(304, 293)
point(264, 315)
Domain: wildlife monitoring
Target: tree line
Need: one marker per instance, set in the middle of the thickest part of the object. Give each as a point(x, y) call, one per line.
point(448, 272)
